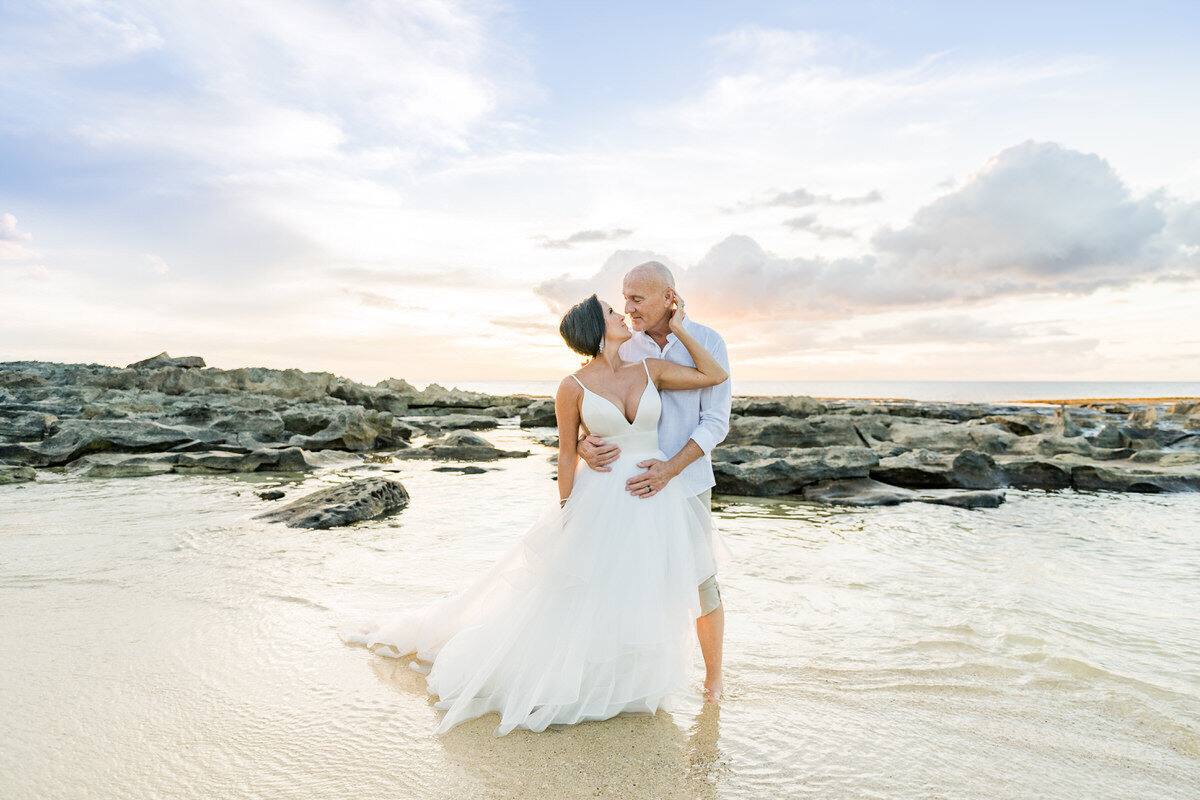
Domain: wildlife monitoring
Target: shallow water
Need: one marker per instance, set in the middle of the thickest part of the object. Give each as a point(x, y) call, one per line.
point(158, 642)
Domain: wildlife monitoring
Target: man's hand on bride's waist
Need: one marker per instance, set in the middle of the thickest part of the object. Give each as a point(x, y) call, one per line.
point(649, 483)
point(597, 453)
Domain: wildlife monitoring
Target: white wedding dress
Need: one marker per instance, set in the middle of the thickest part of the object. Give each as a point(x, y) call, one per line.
point(591, 613)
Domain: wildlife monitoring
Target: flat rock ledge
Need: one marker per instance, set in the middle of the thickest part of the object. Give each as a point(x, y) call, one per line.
point(859, 452)
point(175, 414)
point(103, 421)
point(366, 498)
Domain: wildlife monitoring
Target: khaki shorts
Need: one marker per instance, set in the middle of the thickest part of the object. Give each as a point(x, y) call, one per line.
point(710, 592)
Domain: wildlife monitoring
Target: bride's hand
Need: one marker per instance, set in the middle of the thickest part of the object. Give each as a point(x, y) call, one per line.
point(677, 313)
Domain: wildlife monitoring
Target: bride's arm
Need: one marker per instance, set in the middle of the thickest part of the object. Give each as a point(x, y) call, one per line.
point(566, 412)
point(669, 375)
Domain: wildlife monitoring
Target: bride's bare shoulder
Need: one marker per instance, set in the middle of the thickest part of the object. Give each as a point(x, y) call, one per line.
point(569, 386)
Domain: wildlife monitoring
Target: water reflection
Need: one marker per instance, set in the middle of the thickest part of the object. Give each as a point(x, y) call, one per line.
point(159, 641)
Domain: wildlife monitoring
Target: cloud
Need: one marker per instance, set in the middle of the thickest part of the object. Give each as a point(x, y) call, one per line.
point(1038, 218)
point(371, 299)
point(13, 241)
point(565, 291)
point(526, 326)
point(801, 198)
point(1183, 223)
point(408, 74)
point(401, 275)
point(952, 328)
point(156, 263)
point(582, 237)
point(811, 224)
point(774, 85)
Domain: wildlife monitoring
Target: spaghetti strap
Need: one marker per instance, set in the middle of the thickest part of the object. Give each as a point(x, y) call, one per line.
point(579, 382)
point(644, 364)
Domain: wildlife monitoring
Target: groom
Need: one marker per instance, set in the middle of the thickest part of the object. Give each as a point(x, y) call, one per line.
point(693, 422)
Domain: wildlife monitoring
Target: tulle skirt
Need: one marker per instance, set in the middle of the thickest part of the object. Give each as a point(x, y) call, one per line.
point(589, 614)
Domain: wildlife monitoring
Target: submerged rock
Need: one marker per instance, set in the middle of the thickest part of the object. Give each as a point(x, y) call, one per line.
point(366, 498)
point(460, 446)
point(12, 473)
point(869, 492)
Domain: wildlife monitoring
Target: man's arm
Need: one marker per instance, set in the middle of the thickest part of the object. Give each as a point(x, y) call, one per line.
point(716, 402)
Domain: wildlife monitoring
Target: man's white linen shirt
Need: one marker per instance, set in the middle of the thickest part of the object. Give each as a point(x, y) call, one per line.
point(701, 415)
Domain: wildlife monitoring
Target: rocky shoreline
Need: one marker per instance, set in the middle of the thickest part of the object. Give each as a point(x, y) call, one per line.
point(177, 415)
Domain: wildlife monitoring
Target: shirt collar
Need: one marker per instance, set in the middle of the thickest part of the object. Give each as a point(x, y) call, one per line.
point(671, 337)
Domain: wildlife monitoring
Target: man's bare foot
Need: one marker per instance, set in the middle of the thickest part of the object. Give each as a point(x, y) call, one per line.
point(714, 690)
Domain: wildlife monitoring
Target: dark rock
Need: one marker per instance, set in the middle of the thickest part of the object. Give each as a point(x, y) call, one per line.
point(271, 494)
point(24, 426)
point(468, 470)
point(1144, 416)
point(950, 436)
point(1110, 436)
point(78, 437)
point(451, 422)
point(164, 360)
point(539, 414)
point(1049, 444)
point(123, 465)
point(856, 492)
point(1034, 473)
point(973, 470)
point(740, 454)
point(1093, 476)
point(781, 406)
point(915, 468)
point(351, 428)
point(15, 473)
point(209, 462)
point(1019, 424)
point(460, 446)
point(366, 498)
point(282, 459)
point(1185, 408)
point(818, 431)
point(1166, 458)
point(1061, 424)
point(788, 471)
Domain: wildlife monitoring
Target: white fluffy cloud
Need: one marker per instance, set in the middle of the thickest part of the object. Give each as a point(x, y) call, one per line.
point(1037, 218)
point(13, 242)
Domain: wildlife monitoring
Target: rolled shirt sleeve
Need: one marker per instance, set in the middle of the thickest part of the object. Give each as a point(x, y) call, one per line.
point(716, 402)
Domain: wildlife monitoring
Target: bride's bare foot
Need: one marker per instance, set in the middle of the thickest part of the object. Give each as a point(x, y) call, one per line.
point(714, 689)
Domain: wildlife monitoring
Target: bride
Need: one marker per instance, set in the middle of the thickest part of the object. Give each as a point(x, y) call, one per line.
point(592, 612)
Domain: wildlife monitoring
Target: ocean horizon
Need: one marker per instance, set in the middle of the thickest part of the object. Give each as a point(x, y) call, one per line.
point(944, 391)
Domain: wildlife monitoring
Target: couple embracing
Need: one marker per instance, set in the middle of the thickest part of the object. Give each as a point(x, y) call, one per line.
point(595, 610)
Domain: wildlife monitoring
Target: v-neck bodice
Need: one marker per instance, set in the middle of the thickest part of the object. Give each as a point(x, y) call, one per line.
point(603, 418)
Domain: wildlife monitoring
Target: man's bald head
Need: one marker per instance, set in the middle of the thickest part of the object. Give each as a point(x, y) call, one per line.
point(655, 272)
point(648, 290)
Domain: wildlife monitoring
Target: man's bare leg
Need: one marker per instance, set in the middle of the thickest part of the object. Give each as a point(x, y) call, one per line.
point(710, 629)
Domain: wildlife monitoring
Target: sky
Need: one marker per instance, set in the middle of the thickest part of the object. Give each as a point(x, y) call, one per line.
point(844, 190)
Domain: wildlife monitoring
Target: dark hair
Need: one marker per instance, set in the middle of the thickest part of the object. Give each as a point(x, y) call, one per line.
point(582, 327)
